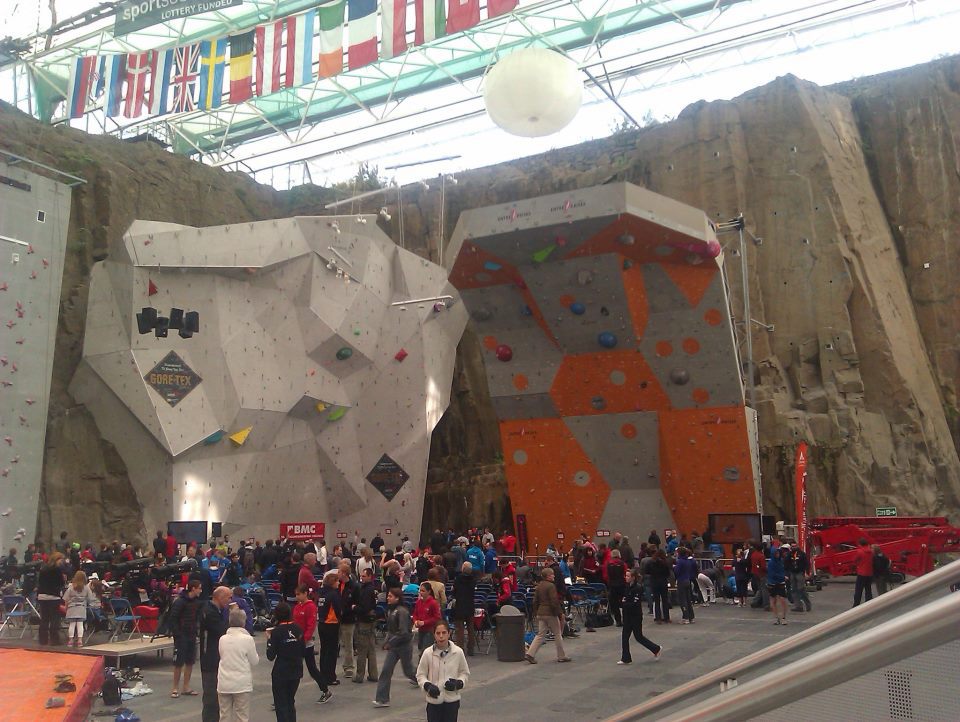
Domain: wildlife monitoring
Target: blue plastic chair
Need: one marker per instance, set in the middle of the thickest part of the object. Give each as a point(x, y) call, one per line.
point(16, 614)
point(123, 614)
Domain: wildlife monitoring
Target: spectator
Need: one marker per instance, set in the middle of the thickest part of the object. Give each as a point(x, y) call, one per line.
point(881, 569)
point(212, 626)
point(78, 599)
point(348, 590)
point(863, 585)
point(777, 584)
point(399, 636)
point(686, 571)
point(50, 583)
point(285, 650)
point(549, 613)
point(238, 657)
point(442, 673)
point(463, 588)
point(633, 621)
point(329, 612)
point(305, 617)
point(363, 636)
point(426, 614)
point(183, 627)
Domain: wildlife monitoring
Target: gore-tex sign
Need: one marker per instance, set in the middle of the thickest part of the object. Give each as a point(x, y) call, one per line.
point(302, 530)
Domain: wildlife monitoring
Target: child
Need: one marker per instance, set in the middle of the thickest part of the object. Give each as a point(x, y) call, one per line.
point(285, 650)
point(78, 598)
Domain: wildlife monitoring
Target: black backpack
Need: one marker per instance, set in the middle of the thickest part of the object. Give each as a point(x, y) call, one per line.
point(110, 691)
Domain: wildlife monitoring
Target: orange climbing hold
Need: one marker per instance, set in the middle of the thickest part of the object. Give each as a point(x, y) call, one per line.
point(664, 349)
point(691, 345)
point(490, 342)
point(713, 316)
point(520, 382)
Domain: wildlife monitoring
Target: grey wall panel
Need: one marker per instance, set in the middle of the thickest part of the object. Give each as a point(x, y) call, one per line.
point(596, 283)
point(31, 270)
point(301, 428)
point(525, 406)
point(625, 447)
point(634, 513)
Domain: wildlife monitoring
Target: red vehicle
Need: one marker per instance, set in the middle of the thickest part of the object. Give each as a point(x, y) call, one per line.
point(909, 542)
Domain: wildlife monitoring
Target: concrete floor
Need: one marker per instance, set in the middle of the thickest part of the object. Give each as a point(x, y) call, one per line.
point(592, 687)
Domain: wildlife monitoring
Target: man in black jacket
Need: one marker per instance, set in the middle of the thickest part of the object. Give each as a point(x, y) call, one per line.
point(182, 623)
point(285, 649)
point(463, 588)
point(366, 616)
point(212, 626)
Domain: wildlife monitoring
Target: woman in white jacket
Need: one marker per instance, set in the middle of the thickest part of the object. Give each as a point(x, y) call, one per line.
point(442, 672)
point(238, 655)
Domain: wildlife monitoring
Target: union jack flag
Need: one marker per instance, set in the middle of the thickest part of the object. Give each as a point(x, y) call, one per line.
point(186, 71)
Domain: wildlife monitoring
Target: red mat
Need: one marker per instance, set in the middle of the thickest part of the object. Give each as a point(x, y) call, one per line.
point(27, 681)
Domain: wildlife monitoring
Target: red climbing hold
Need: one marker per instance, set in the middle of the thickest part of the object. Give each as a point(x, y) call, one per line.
point(504, 353)
point(400, 355)
point(151, 289)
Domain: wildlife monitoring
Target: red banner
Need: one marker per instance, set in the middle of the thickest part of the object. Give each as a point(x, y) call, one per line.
point(801, 487)
point(302, 530)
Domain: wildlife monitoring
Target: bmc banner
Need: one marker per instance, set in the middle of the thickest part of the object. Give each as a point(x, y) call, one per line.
point(138, 14)
point(302, 530)
point(801, 486)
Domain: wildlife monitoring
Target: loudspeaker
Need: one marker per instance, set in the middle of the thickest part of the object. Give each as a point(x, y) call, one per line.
point(176, 318)
point(161, 327)
point(146, 319)
point(192, 321)
point(185, 333)
point(216, 529)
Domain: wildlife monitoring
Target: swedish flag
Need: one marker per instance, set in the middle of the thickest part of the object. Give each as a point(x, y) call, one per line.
point(212, 57)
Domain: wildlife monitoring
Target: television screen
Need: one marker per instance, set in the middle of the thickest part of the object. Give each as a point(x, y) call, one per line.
point(186, 532)
point(734, 528)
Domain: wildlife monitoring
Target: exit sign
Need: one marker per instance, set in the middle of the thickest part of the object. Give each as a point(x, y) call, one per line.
point(886, 511)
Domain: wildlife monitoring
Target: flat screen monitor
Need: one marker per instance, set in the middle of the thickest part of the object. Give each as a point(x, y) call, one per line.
point(188, 532)
point(735, 528)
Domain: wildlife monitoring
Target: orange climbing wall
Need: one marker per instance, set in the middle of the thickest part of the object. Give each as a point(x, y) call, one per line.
point(610, 360)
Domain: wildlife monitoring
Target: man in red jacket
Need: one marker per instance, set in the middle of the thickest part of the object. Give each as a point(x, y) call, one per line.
point(864, 573)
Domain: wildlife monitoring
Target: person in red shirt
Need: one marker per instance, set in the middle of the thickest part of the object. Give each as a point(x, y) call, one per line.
point(864, 582)
point(305, 578)
point(758, 571)
point(305, 617)
point(426, 614)
point(509, 543)
point(171, 547)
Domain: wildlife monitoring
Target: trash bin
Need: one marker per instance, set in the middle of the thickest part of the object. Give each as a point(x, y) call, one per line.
point(511, 623)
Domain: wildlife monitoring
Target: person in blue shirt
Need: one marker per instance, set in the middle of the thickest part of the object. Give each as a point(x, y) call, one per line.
point(777, 584)
point(476, 557)
point(490, 564)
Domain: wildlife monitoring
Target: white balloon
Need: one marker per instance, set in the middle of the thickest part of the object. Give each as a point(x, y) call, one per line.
point(533, 92)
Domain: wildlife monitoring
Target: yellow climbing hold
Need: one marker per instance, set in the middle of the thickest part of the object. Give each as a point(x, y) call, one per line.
point(321, 406)
point(240, 437)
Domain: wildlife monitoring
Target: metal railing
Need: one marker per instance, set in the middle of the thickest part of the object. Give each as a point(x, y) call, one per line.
point(848, 658)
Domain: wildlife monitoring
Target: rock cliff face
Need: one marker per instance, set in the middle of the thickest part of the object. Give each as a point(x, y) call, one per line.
point(854, 190)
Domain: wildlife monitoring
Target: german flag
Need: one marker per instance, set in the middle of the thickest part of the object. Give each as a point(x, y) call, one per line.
point(241, 67)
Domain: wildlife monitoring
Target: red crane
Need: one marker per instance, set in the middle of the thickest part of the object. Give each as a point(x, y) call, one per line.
point(910, 542)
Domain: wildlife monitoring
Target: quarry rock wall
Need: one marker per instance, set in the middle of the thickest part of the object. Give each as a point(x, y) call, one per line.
point(853, 190)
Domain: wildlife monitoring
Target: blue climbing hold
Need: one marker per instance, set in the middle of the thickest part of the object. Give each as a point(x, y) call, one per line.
point(607, 339)
point(577, 308)
point(525, 311)
point(492, 266)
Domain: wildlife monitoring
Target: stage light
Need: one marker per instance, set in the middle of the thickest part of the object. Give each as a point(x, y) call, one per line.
point(191, 321)
point(162, 326)
point(176, 318)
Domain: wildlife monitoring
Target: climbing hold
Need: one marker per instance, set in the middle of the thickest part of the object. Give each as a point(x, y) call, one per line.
point(356, 331)
point(151, 288)
point(607, 339)
point(400, 355)
point(526, 311)
point(5, 473)
point(214, 437)
point(336, 414)
point(9, 440)
point(491, 266)
point(604, 311)
point(627, 264)
point(321, 406)
point(626, 240)
point(584, 277)
point(679, 377)
point(240, 437)
point(439, 306)
point(482, 314)
point(598, 402)
point(577, 308)
point(6, 512)
point(344, 353)
point(504, 352)
point(543, 254)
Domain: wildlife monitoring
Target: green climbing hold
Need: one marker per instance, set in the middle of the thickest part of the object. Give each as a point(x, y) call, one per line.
point(337, 413)
point(356, 331)
point(344, 353)
point(544, 253)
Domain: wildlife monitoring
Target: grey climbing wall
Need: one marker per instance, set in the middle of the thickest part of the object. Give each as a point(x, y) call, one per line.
point(34, 214)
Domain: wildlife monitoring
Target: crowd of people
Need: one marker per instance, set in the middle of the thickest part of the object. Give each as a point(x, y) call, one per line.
point(321, 607)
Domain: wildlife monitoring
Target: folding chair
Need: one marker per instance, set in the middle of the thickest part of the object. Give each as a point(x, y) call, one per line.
point(16, 614)
point(96, 621)
point(123, 614)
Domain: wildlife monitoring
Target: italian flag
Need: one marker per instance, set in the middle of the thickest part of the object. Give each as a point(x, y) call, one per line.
point(431, 21)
